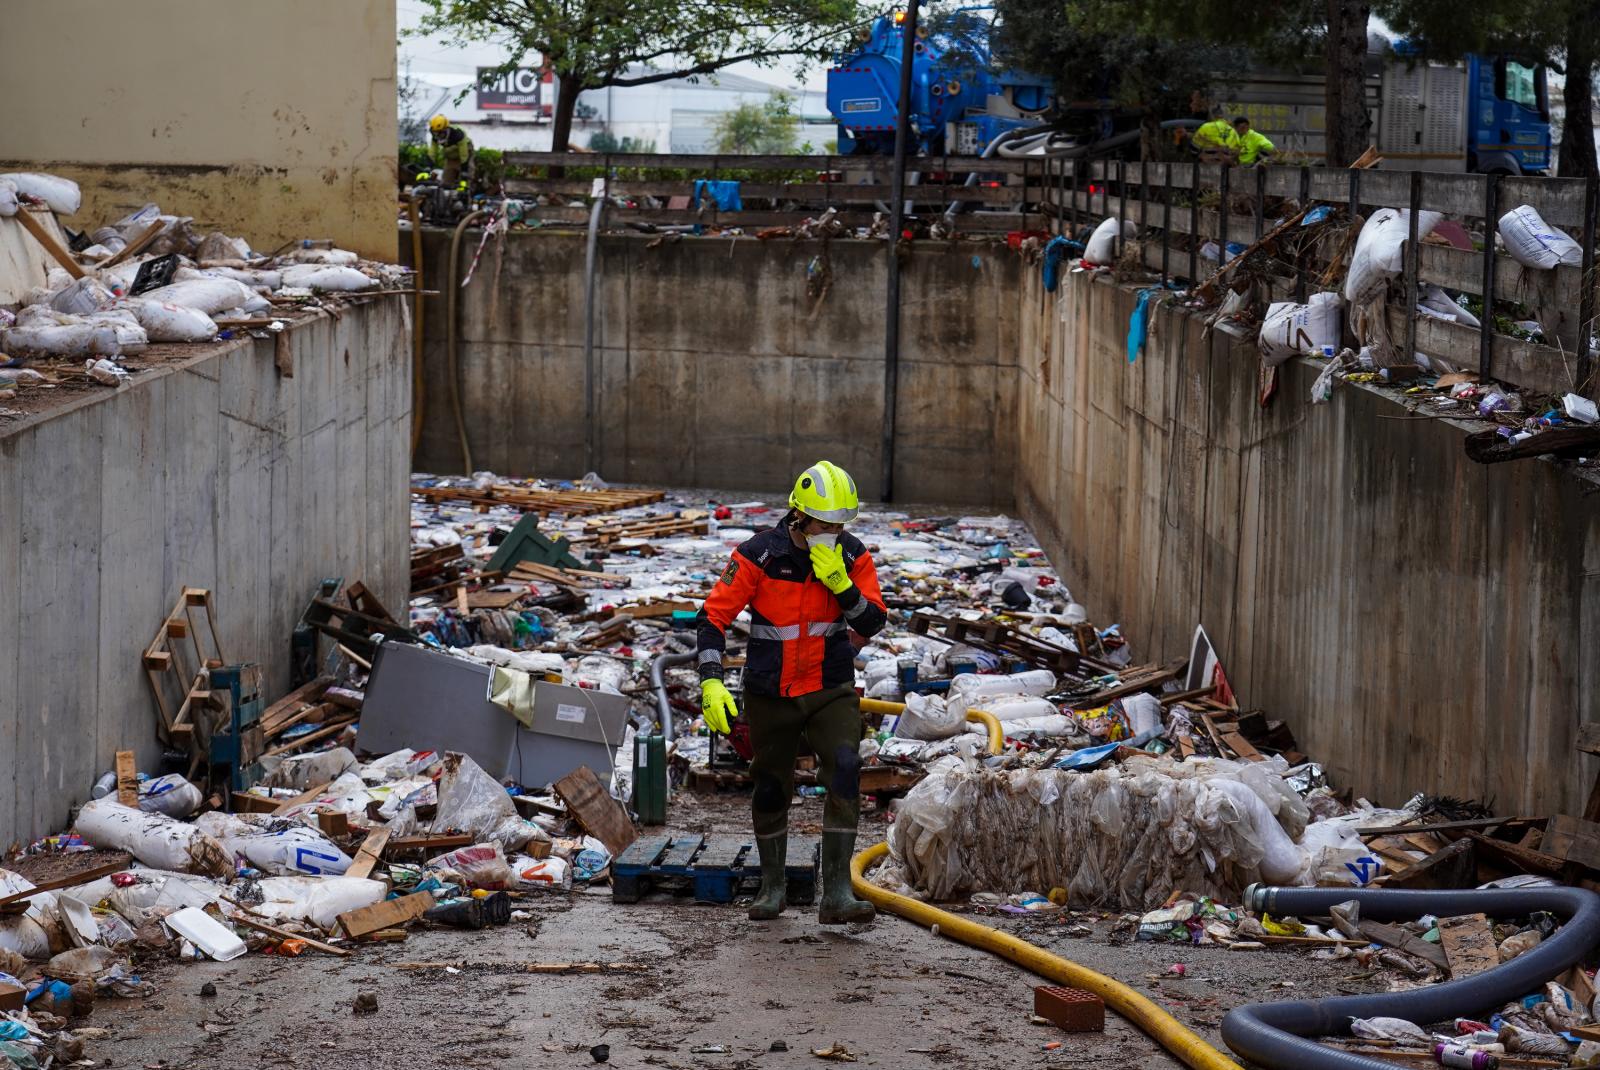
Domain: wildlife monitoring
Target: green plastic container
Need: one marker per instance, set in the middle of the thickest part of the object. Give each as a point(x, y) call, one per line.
point(650, 779)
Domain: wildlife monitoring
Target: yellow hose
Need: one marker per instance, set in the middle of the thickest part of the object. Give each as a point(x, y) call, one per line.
point(1157, 1023)
point(997, 737)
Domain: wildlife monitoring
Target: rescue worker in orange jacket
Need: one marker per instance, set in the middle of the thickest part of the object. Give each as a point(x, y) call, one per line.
point(807, 583)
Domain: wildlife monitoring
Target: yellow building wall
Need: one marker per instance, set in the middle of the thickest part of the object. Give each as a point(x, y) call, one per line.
point(270, 120)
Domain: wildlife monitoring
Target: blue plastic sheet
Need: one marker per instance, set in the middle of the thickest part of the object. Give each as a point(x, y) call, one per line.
point(722, 193)
point(1139, 324)
point(1056, 251)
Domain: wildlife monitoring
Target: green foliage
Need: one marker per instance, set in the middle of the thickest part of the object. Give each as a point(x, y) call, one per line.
point(590, 44)
point(414, 160)
point(490, 165)
point(767, 128)
point(606, 141)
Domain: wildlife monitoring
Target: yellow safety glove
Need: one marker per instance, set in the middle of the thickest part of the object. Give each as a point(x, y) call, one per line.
point(717, 705)
point(828, 563)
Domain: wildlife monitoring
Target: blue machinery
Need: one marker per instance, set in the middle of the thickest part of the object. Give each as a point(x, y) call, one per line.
point(958, 105)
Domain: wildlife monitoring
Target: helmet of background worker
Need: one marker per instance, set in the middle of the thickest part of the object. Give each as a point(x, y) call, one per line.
point(826, 492)
point(438, 125)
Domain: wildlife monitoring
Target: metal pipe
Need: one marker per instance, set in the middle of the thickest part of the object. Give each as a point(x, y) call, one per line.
point(891, 323)
point(419, 391)
point(658, 683)
point(1275, 1035)
point(1491, 215)
point(450, 336)
point(589, 258)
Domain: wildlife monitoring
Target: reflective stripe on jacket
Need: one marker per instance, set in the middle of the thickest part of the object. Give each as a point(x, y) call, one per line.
point(798, 628)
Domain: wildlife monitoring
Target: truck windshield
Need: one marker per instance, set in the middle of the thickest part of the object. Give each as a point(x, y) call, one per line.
point(1522, 85)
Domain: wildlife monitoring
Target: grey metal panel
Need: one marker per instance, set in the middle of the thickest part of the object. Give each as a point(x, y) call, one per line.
point(425, 700)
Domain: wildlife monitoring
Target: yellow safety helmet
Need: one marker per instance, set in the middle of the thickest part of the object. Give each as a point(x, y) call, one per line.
point(438, 123)
point(826, 491)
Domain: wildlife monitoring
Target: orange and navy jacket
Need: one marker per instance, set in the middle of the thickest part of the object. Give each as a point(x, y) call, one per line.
point(798, 641)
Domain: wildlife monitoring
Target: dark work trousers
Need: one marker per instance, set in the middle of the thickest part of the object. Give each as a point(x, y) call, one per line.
point(830, 721)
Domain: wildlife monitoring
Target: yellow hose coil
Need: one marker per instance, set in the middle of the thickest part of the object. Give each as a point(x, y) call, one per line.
point(997, 738)
point(1157, 1023)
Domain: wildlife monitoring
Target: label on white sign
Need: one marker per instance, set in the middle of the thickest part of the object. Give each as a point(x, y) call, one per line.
point(572, 714)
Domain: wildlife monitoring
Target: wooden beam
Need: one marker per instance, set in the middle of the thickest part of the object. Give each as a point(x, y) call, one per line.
point(596, 812)
point(369, 854)
point(127, 779)
point(304, 797)
point(388, 914)
point(42, 235)
point(428, 844)
point(311, 737)
point(1400, 940)
point(146, 238)
point(82, 877)
point(285, 934)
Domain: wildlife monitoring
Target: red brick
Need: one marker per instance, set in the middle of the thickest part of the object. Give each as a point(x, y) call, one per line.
point(1072, 1009)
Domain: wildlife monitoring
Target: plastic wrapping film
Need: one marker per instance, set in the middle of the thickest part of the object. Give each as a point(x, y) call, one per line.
point(1124, 835)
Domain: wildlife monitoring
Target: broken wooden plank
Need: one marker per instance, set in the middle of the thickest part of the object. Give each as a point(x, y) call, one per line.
point(1449, 826)
point(139, 244)
point(1519, 857)
point(1400, 940)
point(41, 234)
point(388, 914)
point(300, 800)
point(369, 854)
point(127, 779)
point(595, 810)
point(1468, 945)
point(1572, 839)
point(245, 802)
point(529, 967)
point(285, 934)
point(1452, 866)
point(428, 844)
point(332, 728)
point(94, 873)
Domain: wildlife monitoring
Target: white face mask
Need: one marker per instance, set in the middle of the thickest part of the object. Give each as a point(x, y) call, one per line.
point(826, 539)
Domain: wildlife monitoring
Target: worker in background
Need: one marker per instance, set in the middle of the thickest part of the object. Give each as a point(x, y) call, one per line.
point(807, 583)
point(1253, 144)
point(1217, 141)
point(451, 150)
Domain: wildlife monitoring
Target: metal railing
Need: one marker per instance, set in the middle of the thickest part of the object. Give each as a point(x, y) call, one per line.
point(1178, 209)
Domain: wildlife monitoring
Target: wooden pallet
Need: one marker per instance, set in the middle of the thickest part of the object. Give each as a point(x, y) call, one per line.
point(717, 870)
point(648, 527)
point(532, 572)
point(569, 502)
point(1002, 639)
point(166, 666)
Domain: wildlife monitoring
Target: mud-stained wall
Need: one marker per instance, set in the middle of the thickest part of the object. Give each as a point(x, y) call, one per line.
point(270, 121)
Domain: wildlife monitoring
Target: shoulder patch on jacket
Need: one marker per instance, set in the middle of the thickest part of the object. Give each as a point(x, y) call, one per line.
point(730, 572)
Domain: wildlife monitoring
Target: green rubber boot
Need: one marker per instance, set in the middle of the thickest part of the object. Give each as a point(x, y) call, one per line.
point(839, 904)
point(772, 897)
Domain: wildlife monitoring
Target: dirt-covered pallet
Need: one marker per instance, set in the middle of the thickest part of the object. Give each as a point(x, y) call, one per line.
point(717, 869)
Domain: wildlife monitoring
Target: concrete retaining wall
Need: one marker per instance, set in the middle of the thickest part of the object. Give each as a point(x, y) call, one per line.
point(1423, 622)
point(716, 369)
point(215, 472)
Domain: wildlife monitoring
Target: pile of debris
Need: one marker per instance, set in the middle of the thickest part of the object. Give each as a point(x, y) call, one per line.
point(147, 279)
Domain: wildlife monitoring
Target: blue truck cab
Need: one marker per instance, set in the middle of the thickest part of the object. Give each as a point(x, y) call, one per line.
point(1508, 116)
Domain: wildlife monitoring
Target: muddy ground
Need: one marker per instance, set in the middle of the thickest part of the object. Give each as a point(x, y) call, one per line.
point(892, 993)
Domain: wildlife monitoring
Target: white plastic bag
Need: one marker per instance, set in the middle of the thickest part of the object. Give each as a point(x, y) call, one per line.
point(78, 338)
point(274, 844)
point(1535, 243)
point(1290, 329)
point(1436, 303)
point(61, 194)
point(552, 873)
point(164, 322)
point(1380, 250)
point(302, 772)
point(483, 865)
point(319, 900)
point(171, 795)
point(928, 717)
point(82, 297)
point(473, 801)
point(209, 295)
point(334, 279)
point(8, 198)
point(1102, 243)
point(154, 839)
